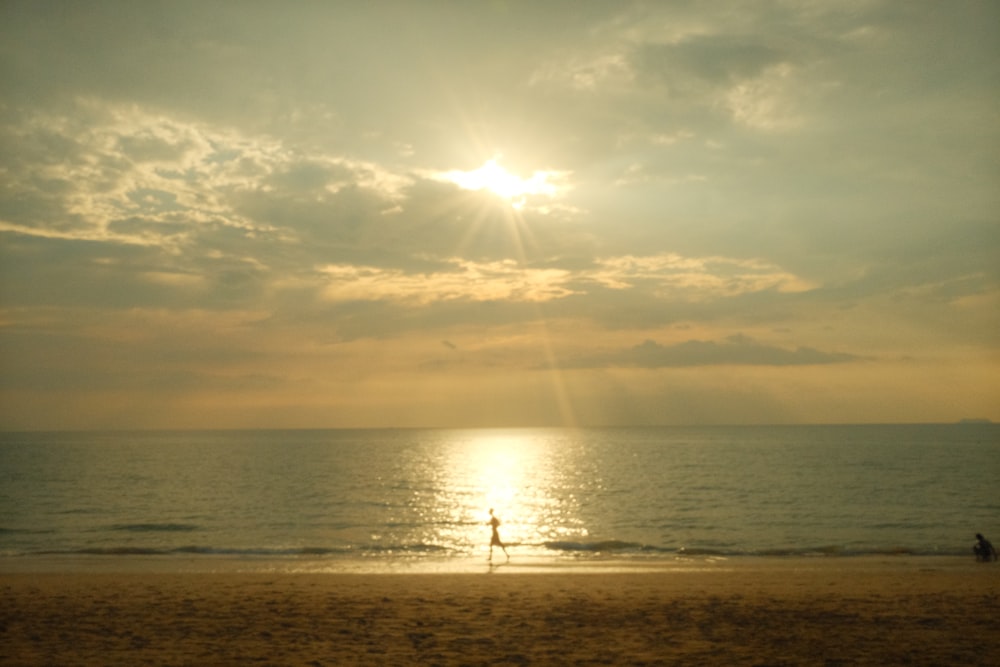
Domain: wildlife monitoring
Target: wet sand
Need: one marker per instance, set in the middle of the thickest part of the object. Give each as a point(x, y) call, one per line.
point(787, 612)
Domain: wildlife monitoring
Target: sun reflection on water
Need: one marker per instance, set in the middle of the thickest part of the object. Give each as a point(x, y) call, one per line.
point(516, 472)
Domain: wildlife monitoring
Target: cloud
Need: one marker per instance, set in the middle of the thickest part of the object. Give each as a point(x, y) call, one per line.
point(467, 281)
point(672, 172)
point(668, 279)
point(223, 215)
point(696, 277)
point(735, 350)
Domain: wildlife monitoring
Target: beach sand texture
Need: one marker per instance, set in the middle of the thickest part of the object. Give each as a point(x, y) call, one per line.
point(785, 615)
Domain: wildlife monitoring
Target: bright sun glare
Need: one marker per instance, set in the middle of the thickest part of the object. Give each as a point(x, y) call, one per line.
point(511, 187)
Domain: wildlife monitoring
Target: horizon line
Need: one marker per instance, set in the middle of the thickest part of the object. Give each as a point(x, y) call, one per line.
point(960, 422)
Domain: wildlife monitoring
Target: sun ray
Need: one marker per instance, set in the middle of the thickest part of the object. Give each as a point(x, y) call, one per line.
point(508, 196)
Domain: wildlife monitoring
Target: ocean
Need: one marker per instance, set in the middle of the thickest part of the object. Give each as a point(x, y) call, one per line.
point(420, 498)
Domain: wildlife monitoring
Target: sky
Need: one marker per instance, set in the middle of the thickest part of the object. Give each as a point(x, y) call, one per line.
point(498, 213)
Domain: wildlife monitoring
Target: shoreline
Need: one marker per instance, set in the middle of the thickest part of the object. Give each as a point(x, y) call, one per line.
point(867, 611)
point(228, 564)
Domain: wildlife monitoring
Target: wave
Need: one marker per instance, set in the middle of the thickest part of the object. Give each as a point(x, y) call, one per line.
point(595, 547)
point(619, 549)
point(26, 531)
point(156, 527)
point(251, 552)
point(831, 551)
point(622, 548)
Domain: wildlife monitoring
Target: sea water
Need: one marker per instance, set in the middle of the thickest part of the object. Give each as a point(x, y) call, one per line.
point(328, 498)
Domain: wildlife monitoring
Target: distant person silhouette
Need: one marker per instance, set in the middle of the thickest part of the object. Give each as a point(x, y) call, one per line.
point(495, 541)
point(983, 549)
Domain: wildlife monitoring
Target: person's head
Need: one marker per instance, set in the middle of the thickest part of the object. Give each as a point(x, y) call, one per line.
point(491, 511)
point(979, 536)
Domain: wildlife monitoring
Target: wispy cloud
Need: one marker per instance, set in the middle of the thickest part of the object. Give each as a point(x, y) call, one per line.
point(471, 281)
point(735, 350)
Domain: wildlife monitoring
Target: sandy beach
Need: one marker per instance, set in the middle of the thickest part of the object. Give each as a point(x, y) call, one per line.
point(782, 612)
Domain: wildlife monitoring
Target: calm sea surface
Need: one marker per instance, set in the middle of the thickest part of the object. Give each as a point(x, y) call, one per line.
point(386, 496)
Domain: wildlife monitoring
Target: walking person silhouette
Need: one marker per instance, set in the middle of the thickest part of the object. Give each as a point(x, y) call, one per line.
point(495, 540)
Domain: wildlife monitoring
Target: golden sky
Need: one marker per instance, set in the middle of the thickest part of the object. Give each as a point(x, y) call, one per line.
point(345, 214)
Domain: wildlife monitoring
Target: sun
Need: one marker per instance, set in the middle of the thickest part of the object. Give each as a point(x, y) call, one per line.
point(510, 187)
point(505, 207)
